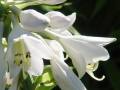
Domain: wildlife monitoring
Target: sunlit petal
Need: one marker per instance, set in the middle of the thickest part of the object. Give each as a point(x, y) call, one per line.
point(34, 21)
point(64, 76)
point(32, 51)
point(94, 77)
point(59, 20)
point(90, 51)
point(95, 40)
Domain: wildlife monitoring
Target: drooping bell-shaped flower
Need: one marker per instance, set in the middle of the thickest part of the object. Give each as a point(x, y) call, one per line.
point(83, 51)
point(2, 61)
point(90, 51)
point(29, 53)
point(62, 73)
point(25, 51)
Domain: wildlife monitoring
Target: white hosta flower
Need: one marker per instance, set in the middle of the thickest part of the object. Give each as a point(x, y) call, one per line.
point(83, 51)
point(33, 20)
point(2, 61)
point(26, 52)
point(91, 48)
point(91, 52)
point(63, 75)
point(29, 53)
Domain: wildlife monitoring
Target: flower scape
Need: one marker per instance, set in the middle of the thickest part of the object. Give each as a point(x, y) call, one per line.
point(37, 46)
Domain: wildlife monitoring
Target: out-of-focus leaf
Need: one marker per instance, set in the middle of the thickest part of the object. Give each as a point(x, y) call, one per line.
point(25, 82)
point(7, 26)
point(48, 8)
point(46, 81)
point(44, 87)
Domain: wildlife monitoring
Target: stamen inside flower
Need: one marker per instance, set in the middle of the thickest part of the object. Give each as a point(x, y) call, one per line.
point(91, 68)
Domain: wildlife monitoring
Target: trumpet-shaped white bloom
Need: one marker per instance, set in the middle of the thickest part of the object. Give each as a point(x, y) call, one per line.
point(84, 52)
point(2, 61)
point(26, 52)
point(63, 75)
point(90, 48)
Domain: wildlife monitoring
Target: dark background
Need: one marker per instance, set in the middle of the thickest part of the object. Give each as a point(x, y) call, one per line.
point(97, 18)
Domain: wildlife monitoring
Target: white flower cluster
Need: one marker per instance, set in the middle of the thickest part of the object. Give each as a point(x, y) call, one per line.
point(37, 37)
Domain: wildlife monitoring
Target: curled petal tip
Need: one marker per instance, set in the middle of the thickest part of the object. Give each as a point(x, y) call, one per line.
point(94, 77)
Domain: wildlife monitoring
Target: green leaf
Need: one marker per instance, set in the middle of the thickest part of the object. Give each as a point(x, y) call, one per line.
point(7, 26)
point(44, 88)
point(46, 81)
point(25, 82)
point(49, 8)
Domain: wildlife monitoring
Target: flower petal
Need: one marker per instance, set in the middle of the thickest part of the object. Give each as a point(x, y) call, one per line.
point(90, 51)
point(37, 46)
point(9, 57)
point(64, 76)
point(95, 40)
point(77, 58)
point(57, 48)
point(94, 77)
point(36, 67)
point(13, 68)
point(32, 20)
point(59, 20)
point(38, 51)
